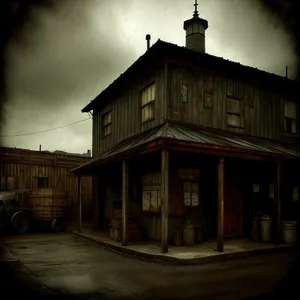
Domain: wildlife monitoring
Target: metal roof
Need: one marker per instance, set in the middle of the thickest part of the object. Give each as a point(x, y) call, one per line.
point(201, 135)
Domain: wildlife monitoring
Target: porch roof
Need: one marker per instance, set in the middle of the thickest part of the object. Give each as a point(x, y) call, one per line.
point(194, 136)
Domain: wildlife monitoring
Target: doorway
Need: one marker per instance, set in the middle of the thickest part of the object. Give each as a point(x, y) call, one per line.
point(232, 203)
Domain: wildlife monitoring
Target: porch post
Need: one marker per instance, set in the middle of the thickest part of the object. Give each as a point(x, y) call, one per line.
point(278, 205)
point(164, 200)
point(220, 242)
point(79, 204)
point(124, 203)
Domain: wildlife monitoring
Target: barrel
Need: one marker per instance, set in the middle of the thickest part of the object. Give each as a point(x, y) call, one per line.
point(188, 235)
point(48, 204)
point(265, 228)
point(178, 237)
point(289, 232)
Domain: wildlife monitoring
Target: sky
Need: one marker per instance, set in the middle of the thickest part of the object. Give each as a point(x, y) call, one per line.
point(67, 54)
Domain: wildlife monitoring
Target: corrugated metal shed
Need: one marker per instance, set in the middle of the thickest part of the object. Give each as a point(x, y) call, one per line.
point(195, 134)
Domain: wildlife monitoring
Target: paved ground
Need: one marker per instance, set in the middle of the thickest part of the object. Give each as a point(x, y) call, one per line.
point(66, 264)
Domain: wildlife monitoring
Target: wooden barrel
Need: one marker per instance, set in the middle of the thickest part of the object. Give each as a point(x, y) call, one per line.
point(48, 204)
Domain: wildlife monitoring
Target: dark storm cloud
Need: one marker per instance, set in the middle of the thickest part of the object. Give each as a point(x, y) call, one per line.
point(286, 15)
point(70, 50)
point(62, 59)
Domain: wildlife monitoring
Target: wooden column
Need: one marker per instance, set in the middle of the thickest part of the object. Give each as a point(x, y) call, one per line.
point(79, 205)
point(125, 192)
point(220, 242)
point(278, 205)
point(164, 200)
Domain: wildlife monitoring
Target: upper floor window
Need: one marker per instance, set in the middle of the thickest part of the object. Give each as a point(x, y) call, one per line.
point(106, 123)
point(290, 117)
point(148, 103)
point(234, 112)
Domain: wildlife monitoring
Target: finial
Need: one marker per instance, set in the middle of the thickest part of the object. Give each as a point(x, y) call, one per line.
point(196, 14)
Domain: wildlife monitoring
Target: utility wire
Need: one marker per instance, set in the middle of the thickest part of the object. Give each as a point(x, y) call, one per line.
point(46, 130)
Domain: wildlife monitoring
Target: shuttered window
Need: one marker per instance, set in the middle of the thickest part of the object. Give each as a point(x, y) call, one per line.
point(191, 193)
point(148, 103)
point(151, 200)
point(234, 109)
point(106, 124)
point(290, 117)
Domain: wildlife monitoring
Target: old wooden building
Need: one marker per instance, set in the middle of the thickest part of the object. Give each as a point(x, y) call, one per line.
point(22, 169)
point(184, 137)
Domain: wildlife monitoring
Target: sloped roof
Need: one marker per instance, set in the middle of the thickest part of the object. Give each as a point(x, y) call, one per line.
point(162, 50)
point(203, 136)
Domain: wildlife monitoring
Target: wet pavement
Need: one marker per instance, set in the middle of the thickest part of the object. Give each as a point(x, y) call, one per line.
point(65, 264)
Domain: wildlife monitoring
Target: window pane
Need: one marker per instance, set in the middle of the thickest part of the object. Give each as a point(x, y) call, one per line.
point(151, 112)
point(195, 187)
point(187, 198)
point(109, 117)
point(146, 200)
point(147, 112)
point(290, 109)
point(233, 106)
point(234, 120)
point(154, 202)
point(285, 125)
point(295, 193)
point(144, 98)
point(195, 199)
point(109, 129)
point(153, 92)
point(294, 126)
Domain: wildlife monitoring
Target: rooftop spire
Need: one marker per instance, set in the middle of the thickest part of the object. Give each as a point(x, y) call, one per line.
point(196, 13)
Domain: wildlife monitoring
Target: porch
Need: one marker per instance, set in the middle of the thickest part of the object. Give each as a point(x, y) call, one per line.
point(198, 254)
point(152, 186)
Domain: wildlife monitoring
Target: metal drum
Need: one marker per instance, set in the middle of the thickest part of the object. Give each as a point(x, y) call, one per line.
point(49, 206)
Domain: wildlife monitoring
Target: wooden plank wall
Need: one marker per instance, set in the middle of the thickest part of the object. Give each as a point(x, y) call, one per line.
point(26, 166)
point(262, 113)
point(126, 112)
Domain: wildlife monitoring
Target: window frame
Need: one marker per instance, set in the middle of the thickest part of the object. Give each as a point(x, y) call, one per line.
point(290, 119)
point(150, 104)
point(232, 113)
point(105, 126)
point(193, 189)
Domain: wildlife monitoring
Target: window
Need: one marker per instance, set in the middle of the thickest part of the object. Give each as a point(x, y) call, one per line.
point(106, 123)
point(152, 192)
point(191, 193)
point(42, 182)
point(271, 190)
point(295, 193)
point(148, 103)
point(290, 117)
point(234, 117)
point(255, 188)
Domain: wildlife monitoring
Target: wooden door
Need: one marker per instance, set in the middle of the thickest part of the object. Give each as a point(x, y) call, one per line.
point(232, 204)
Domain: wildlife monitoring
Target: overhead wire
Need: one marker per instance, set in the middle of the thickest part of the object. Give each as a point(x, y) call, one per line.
point(42, 131)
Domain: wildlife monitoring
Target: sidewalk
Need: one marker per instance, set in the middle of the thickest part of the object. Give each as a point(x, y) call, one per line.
point(198, 254)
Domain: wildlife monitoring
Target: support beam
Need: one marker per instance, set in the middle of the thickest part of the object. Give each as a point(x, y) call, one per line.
point(220, 242)
point(79, 229)
point(125, 181)
point(164, 200)
point(278, 205)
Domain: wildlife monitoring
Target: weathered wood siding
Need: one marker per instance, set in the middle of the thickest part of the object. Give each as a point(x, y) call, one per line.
point(126, 112)
point(206, 102)
point(26, 166)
